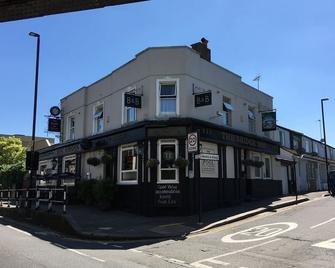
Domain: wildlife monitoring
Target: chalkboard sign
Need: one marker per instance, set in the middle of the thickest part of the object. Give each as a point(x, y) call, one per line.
point(54, 124)
point(203, 99)
point(131, 100)
point(167, 195)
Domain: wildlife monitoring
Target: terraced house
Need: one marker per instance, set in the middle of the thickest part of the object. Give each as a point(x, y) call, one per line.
point(135, 121)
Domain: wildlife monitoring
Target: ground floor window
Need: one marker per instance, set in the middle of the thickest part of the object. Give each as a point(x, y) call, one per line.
point(267, 167)
point(69, 164)
point(167, 152)
point(128, 164)
point(257, 170)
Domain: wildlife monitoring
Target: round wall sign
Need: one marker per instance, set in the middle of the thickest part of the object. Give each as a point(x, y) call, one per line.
point(54, 110)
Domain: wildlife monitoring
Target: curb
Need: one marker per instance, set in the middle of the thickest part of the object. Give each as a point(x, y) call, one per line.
point(249, 214)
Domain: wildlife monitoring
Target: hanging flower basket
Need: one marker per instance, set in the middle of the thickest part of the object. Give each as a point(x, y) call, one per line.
point(93, 161)
point(181, 162)
point(152, 163)
point(106, 158)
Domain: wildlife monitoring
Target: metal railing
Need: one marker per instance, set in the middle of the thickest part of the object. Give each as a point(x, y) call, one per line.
point(27, 197)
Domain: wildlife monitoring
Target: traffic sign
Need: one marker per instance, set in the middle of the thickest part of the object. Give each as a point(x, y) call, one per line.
point(192, 142)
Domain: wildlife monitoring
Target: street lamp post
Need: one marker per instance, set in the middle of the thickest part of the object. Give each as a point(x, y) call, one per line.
point(35, 99)
point(324, 139)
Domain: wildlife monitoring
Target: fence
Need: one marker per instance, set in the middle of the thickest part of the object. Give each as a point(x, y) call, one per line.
point(37, 196)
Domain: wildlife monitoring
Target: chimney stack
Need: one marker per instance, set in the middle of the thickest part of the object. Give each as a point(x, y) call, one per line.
point(202, 49)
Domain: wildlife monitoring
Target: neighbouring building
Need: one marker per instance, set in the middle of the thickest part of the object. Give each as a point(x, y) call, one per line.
point(303, 158)
point(40, 142)
point(143, 111)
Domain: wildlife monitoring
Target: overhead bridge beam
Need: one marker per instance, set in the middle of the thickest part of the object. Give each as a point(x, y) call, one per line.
point(24, 9)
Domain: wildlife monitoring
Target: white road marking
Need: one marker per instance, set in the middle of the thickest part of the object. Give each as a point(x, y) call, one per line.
point(136, 250)
point(329, 244)
point(322, 223)
point(260, 232)
point(18, 230)
point(80, 253)
point(219, 262)
point(200, 265)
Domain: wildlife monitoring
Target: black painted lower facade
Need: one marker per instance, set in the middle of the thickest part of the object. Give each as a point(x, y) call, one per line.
point(164, 189)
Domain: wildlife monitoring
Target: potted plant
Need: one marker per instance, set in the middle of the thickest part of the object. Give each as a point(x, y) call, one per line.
point(93, 161)
point(181, 162)
point(152, 163)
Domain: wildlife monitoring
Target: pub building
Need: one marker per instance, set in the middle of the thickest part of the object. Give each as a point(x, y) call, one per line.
point(137, 119)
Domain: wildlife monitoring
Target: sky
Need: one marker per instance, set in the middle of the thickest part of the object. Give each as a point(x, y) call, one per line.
point(290, 43)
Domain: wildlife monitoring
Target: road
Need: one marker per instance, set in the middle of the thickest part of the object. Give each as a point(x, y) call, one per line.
point(298, 236)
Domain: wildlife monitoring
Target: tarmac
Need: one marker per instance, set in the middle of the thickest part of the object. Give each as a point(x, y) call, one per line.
point(92, 223)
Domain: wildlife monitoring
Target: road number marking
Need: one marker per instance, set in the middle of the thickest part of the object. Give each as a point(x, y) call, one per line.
point(260, 232)
point(330, 244)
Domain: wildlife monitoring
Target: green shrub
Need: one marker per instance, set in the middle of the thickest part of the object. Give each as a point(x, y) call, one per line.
point(104, 193)
point(85, 193)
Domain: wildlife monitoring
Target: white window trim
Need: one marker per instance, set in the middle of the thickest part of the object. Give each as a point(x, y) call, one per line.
point(124, 108)
point(167, 142)
point(100, 103)
point(120, 149)
point(68, 136)
point(158, 108)
point(66, 158)
point(42, 163)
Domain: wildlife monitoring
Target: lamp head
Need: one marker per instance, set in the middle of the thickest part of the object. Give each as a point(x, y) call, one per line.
point(325, 99)
point(34, 34)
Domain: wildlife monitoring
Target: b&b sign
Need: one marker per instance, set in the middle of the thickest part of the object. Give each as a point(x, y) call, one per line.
point(54, 124)
point(203, 99)
point(131, 100)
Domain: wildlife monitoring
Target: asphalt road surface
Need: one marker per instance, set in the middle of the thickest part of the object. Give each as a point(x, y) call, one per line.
point(298, 236)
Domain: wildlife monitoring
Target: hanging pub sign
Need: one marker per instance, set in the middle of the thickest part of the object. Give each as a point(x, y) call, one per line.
point(203, 99)
point(269, 121)
point(132, 100)
point(54, 124)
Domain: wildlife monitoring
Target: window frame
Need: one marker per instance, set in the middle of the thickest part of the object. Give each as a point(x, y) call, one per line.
point(259, 158)
point(265, 168)
point(66, 158)
point(95, 120)
point(69, 128)
point(282, 140)
point(167, 81)
point(124, 112)
point(227, 113)
point(159, 169)
point(251, 120)
point(122, 148)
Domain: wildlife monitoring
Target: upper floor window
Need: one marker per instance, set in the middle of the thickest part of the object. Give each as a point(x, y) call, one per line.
point(316, 148)
point(227, 111)
point(129, 113)
point(252, 120)
point(307, 148)
point(128, 164)
point(282, 138)
point(167, 97)
point(71, 128)
point(167, 152)
point(98, 119)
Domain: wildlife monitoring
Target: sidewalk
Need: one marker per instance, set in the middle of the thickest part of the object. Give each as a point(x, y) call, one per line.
point(95, 224)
